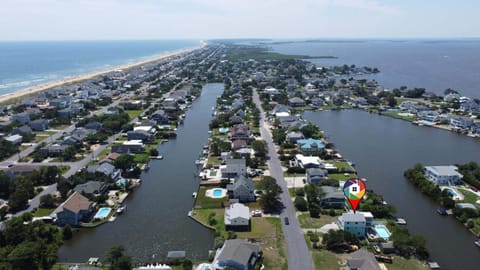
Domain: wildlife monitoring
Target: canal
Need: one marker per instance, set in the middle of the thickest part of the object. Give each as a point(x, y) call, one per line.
point(156, 220)
point(383, 148)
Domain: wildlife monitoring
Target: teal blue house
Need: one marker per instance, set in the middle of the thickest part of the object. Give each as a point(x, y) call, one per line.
point(311, 146)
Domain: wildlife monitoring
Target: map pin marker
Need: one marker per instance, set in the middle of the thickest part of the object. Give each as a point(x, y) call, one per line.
point(354, 190)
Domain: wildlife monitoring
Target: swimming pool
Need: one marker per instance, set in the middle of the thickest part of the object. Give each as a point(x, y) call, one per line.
point(122, 182)
point(102, 213)
point(216, 193)
point(451, 192)
point(382, 231)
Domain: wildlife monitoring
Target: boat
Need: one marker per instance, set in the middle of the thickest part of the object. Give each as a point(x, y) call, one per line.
point(194, 194)
point(477, 242)
point(199, 162)
point(121, 209)
point(156, 157)
point(442, 211)
point(400, 221)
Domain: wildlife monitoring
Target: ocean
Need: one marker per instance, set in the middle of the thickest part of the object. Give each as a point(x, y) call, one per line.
point(432, 64)
point(26, 64)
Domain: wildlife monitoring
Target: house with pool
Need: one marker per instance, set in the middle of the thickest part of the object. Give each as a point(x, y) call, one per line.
point(443, 175)
point(362, 224)
point(242, 189)
point(74, 210)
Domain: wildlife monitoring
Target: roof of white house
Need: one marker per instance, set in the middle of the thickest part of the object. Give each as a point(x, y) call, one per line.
point(308, 159)
point(351, 217)
point(236, 210)
point(133, 142)
point(444, 170)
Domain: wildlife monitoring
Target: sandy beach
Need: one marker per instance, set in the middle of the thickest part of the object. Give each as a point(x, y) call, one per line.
point(42, 87)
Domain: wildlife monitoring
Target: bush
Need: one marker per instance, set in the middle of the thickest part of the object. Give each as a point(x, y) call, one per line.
point(67, 232)
point(332, 213)
point(300, 192)
point(300, 203)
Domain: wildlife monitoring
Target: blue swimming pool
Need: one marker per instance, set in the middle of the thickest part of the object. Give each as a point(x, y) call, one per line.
point(102, 213)
point(382, 231)
point(452, 192)
point(217, 193)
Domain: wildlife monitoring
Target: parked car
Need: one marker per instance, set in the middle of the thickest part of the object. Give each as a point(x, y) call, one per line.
point(285, 220)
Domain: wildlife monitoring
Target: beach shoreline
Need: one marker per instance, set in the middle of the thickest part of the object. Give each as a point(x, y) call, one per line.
point(5, 98)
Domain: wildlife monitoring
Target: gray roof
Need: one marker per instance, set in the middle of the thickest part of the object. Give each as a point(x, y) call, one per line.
point(316, 172)
point(351, 217)
point(332, 192)
point(444, 170)
point(242, 181)
point(363, 260)
point(237, 250)
point(89, 187)
point(236, 210)
point(105, 168)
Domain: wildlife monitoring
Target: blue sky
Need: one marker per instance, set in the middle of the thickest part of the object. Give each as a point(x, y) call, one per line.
point(206, 19)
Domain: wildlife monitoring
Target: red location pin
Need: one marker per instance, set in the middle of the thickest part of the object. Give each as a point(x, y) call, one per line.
point(354, 190)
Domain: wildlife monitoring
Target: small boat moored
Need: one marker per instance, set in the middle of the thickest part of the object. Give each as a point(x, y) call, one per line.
point(121, 209)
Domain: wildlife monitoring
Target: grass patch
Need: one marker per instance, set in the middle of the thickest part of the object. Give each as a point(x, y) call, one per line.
point(398, 116)
point(400, 263)
point(341, 165)
point(325, 260)
point(469, 197)
point(141, 158)
point(341, 176)
point(308, 222)
point(132, 114)
point(213, 160)
point(202, 201)
point(41, 212)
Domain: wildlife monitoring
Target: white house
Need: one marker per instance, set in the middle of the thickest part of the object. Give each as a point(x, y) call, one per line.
point(443, 175)
point(237, 215)
point(307, 161)
point(238, 254)
point(355, 224)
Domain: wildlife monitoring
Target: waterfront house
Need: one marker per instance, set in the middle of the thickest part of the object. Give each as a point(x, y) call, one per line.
point(91, 188)
point(22, 118)
point(280, 109)
point(75, 209)
point(293, 136)
point(39, 124)
point(316, 175)
point(235, 119)
point(135, 146)
point(307, 161)
point(429, 116)
point(121, 149)
point(139, 135)
point(245, 152)
point(362, 260)
point(354, 223)
point(233, 168)
point(311, 146)
point(14, 139)
point(443, 175)
point(460, 122)
point(237, 254)
point(237, 217)
point(160, 117)
point(332, 198)
point(296, 102)
point(242, 189)
point(107, 169)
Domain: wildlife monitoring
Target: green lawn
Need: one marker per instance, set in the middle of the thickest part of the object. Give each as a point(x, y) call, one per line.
point(469, 197)
point(41, 212)
point(325, 260)
point(207, 202)
point(341, 165)
point(400, 263)
point(396, 115)
point(213, 160)
point(308, 222)
point(132, 114)
point(341, 176)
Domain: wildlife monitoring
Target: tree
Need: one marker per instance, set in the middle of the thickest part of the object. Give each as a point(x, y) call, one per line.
point(124, 162)
point(114, 254)
point(311, 131)
point(47, 201)
point(270, 199)
point(123, 263)
point(300, 203)
point(69, 154)
point(153, 152)
point(339, 241)
point(260, 147)
point(67, 232)
point(18, 200)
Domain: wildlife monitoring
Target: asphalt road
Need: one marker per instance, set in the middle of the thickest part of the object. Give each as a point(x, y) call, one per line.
point(299, 257)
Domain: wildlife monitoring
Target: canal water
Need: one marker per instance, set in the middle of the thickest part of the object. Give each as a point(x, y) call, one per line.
point(156, 220)
point(382, 149)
